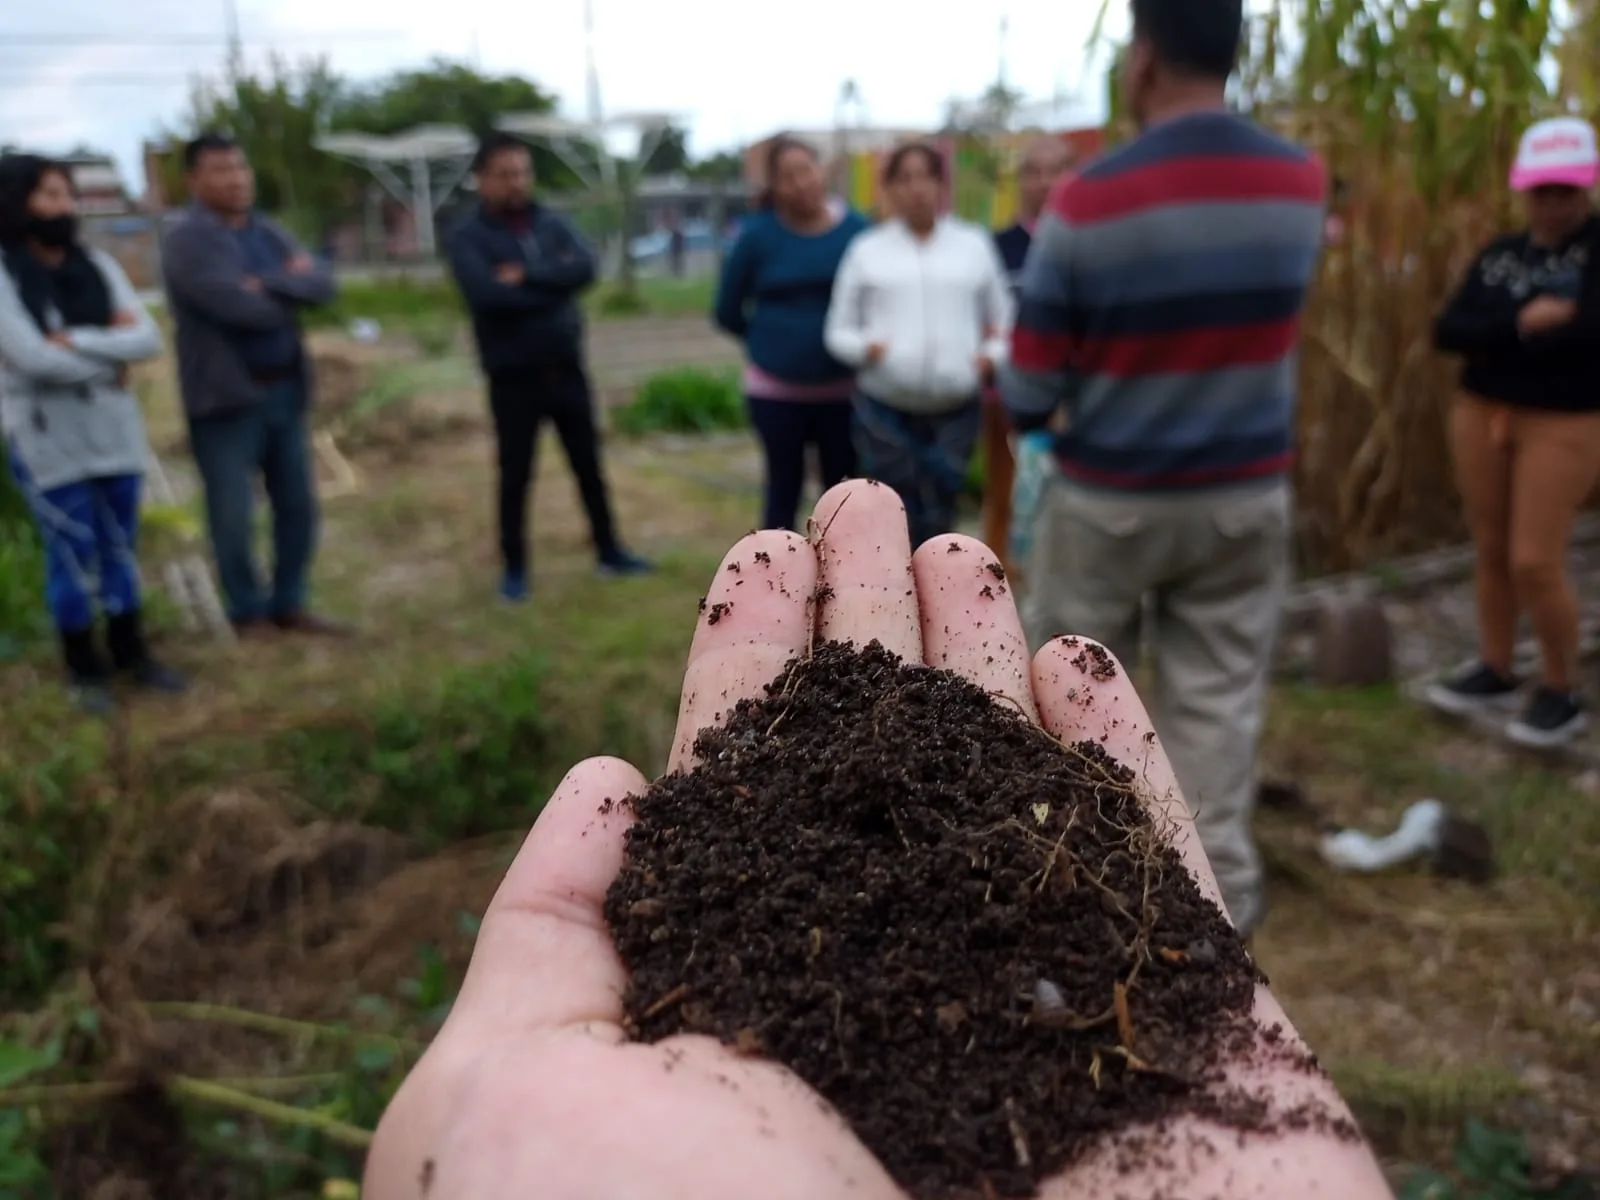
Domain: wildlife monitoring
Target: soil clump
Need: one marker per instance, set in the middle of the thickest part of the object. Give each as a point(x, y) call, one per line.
point(973, 941)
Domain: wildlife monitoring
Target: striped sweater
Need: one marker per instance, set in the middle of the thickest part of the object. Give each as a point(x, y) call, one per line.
point(1160, 306)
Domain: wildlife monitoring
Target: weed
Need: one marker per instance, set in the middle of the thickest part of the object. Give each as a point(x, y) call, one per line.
point(1490, 1164)
point(457, 763)
point(684, 400)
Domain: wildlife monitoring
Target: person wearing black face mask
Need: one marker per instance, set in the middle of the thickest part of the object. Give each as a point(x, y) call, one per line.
point(70, 325)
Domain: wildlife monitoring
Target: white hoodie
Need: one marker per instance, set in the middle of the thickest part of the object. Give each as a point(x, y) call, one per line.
point(937, 304)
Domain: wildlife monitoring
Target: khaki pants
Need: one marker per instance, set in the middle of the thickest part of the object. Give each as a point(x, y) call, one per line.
point(1215, 567)
point(1523, 476)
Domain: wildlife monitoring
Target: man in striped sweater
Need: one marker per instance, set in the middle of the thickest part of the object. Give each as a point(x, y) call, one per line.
point(1160, 307)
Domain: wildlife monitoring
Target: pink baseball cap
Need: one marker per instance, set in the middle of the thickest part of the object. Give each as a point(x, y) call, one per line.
point(1560, 151)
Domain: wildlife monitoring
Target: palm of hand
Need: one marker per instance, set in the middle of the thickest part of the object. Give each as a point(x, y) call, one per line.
point(532, 1088)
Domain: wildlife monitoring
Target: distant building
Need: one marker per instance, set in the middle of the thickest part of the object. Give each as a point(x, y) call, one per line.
point(101, 190)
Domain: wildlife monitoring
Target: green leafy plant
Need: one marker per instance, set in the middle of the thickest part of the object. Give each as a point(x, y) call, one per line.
point(684, 400)
point(455, 763)
point(22, 612)
point(1490, 1164)
point(51, 819)
point(22, 1172)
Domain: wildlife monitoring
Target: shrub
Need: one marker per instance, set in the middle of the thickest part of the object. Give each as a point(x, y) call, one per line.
point(465, 759)
point(52, 820)
point(684, 400)
point(22, 613)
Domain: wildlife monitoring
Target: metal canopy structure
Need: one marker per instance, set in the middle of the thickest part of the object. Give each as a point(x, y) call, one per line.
point(435, 157)
point(624, 136)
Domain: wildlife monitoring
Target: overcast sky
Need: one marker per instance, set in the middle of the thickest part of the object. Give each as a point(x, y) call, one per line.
point(735, 70)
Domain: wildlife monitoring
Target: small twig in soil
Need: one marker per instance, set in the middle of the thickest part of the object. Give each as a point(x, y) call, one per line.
point(1019, 1139)
point(1119, 1002)
point(675, 996)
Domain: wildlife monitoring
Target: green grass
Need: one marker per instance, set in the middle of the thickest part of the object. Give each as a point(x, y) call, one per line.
point(408, 302)
point(454, 717)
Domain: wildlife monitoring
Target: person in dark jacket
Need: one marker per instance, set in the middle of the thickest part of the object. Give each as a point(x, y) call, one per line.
point(521, 268)
point(236, 284)
point(1525, 431)
point(70, 326)
point(1044, 160)
point(774, 297)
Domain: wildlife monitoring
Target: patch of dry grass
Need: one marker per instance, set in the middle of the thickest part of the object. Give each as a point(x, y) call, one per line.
point(1431, 1001)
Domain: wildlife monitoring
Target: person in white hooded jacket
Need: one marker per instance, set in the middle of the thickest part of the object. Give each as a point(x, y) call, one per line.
point(922, 309)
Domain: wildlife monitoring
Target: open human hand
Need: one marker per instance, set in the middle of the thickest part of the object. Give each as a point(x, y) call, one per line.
point(532, 1087)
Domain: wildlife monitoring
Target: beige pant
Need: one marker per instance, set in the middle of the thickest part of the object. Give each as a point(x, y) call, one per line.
point(1215, 568)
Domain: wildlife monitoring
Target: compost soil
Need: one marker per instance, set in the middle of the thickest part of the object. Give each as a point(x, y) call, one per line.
point(973, 941)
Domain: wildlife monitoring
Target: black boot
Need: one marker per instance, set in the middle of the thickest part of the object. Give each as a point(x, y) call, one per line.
point(131, 655)
point(90, 678)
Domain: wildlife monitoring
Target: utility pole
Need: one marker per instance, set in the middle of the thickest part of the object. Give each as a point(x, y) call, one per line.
point(230, 13)
point(1005, 32)
point(591, 72)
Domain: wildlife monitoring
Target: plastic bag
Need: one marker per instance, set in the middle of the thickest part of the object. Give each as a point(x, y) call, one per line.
point(1035, 465)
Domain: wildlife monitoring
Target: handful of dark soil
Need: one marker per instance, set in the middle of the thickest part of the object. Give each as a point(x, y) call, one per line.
point(974, 942)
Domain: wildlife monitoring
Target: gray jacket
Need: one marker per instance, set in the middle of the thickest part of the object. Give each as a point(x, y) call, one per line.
point(65, 416)
point(204, 270)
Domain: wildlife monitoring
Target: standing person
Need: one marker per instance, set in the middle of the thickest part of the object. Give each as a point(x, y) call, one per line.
point(774, 298)
point(521, 267)
point(920, 308)
point(70, 324)
point(1044, 160)
point(1525, 430)
point(1161, 307)
point(236, 282)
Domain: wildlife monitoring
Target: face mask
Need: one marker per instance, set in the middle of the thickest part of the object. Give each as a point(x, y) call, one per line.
point(55, 232)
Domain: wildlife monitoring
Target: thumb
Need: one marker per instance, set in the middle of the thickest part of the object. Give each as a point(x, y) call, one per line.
point(544, 956)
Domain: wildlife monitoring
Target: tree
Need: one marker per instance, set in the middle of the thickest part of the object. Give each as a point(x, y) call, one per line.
point(670, 155)
point(449, 93)
point(276, 117)
point(440, 93)
point(725, 166)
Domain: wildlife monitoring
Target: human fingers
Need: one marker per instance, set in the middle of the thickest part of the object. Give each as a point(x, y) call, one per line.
point(755, 618)
point(969, 619)
point(544, 956)
point(868, 592)
point(1084, 694)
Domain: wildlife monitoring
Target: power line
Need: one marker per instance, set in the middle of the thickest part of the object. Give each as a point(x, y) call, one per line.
point(101, 79)
point(131, 41)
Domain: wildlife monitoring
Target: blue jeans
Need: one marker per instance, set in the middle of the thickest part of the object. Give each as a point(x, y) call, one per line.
point(269, 439)
point(90, 531)
point(786, 428)
point(923, 457)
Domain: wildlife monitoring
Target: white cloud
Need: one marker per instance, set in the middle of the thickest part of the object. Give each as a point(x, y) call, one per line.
point(735, 70)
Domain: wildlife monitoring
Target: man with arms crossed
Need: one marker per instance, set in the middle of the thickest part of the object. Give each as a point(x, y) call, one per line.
point(1160, 306)
point(521, 268)
point(235, 284)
